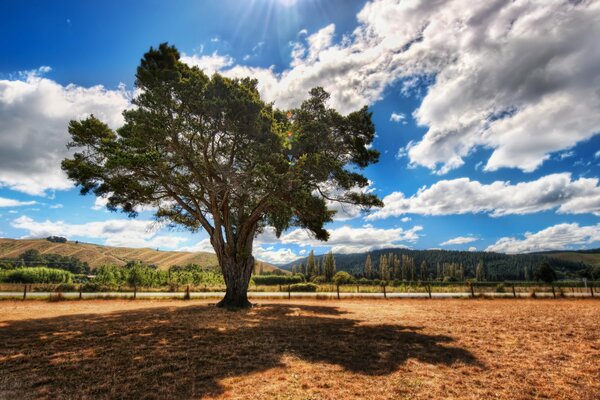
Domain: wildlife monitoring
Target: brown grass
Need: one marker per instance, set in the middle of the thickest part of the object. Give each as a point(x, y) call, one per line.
point(374, 349)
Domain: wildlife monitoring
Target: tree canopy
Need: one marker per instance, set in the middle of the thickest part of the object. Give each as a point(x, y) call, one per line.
point(208, 153)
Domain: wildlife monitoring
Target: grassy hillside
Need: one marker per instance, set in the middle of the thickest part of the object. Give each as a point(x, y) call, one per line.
point(97, 255)
point(589, 257)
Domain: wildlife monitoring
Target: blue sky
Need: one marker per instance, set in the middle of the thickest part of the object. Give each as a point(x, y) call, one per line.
point(486, 115)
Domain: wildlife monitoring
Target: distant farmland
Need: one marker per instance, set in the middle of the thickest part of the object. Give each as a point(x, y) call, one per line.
point(97, 255)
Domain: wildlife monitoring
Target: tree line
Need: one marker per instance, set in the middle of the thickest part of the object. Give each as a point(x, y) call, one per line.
point(442, 265)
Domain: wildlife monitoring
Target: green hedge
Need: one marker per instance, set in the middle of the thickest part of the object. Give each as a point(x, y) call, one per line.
point(36, 275)
point(303, 287)
point(277, 279)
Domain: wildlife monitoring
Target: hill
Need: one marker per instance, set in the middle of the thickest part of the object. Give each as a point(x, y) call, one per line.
point(498, 266)
point(589, 257)
point(96, 255)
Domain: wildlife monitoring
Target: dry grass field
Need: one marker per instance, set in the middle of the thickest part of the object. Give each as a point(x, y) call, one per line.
point(373, 349)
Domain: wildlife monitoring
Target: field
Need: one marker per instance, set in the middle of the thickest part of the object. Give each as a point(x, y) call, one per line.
point(97, 255)
point(417, 349)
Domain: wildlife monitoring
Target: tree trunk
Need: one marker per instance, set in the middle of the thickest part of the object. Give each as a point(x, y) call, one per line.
point(237, 275)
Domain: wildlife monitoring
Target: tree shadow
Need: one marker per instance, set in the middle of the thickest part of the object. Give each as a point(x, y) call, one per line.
point(183, 352)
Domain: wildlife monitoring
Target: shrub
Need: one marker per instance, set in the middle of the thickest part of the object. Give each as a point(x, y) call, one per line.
point(303, 287)
point(36, 275)
point(318, 279)
point(500, 288)
point(343, 278)
point(364, 281)
point(277, 279)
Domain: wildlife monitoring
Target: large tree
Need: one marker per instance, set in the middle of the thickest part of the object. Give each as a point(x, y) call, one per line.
point(208, 153)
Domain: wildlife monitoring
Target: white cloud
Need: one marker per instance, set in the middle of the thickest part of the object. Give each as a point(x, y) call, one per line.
point(347, 239)
point(203, 245)
point(208, 63)
point(398, 117)
point(462, 196)
point(472, 248)
point(275, 256)
point(4, 202)
point(557, 237)
point(114, 232)
point(508, 76)
point(34, 114)
point(459, 240)
point(405, 219)
point(56, 206)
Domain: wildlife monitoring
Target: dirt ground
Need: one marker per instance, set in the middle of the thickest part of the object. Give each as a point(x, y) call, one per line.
point(305, 349)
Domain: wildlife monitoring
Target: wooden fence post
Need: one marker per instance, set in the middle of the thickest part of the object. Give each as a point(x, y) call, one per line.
point(357, 289)
point(553, 292)
point(429, 289)
point(80, 294)
point(472, 290)
point(338, 290)
point(24, 292)
point(514, 292)
point(289, 292)
point(384, 292)
point(134, 292)
point(592, 290)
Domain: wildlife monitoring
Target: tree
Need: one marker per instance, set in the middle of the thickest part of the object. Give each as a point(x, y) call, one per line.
point(343, 278)
point(424, 270)
point(329, 266)
point(368, 270)
point(383, 268)
point(480, 271)
point(311, 266)
point(208, 153)
point(544, 273)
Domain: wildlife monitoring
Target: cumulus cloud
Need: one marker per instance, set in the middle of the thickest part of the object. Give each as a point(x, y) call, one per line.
point(459, 240)
point(347, 239)
point(398, 117)
point(275, 256)
point(4, 202)
point(557, 237)
point(462, 196)
point(209, 63)
point(501, 75)
point(35, 112)
point(114, 232)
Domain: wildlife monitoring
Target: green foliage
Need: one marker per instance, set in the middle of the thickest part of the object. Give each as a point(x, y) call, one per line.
point(56, 239)
point(303, 287)
point(210, 154)
point(36, 275)
point(278, 279)
point(500, 288)
point(33, 258)
point(544, 273)
point(343, 278)
point(458, 265)
point(329, 267)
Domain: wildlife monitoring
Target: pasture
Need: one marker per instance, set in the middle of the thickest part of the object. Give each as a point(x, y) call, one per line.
point(301, 349)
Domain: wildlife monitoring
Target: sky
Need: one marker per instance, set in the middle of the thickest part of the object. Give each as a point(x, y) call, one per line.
point(487, 113)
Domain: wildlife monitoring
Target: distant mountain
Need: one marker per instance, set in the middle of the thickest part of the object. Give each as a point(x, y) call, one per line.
point(499, 266)
point(96, 255)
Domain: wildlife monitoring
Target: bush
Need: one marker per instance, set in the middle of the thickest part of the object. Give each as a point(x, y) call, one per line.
point(303, 287)
point(500, 288)
point(36, 275)
point(277, 279)
point(343, 278)
point(318, 279)
point(364, 281)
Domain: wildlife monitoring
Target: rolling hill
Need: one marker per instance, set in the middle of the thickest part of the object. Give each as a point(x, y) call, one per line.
point(96, 255)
